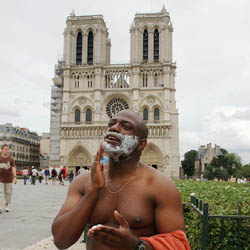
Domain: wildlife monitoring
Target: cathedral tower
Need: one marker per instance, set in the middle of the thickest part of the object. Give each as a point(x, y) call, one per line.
point(93, 90)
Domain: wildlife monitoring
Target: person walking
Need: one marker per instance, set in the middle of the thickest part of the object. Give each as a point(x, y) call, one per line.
point(62, 176)
point(54, 175)
point(71, 176)
point(47, 175)
point(25, 173)
point(34, 174)
point(7, 177)
point(40, 176)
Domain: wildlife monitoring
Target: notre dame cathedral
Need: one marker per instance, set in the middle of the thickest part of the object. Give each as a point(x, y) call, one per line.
point(88, 90)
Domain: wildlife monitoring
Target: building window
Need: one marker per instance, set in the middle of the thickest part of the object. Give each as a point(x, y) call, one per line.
point(155, 80)
point(79, 48)
point(116, 105)
point(88, 116)
point(145, 114)
point(156, 46)
point(145, 46)
point(77, 115)
point(145, 80)
point(90, 48)
point(156, 114)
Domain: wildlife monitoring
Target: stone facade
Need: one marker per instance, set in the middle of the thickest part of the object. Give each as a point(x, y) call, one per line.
point(24, 145)
point(204, 156)
point(44, 150)
point(88, 90)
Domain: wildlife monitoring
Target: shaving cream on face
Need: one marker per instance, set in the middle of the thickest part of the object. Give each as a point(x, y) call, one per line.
point(127, 146)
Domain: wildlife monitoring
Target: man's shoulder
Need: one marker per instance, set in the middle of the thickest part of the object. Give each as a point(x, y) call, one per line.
point(157, 179)
point(6, 159)
point(81, 182)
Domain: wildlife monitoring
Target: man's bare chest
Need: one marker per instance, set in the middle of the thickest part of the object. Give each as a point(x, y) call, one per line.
point(135, 205)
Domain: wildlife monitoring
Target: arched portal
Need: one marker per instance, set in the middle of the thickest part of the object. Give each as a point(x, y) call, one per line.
point(152, 156)
point(79, 157)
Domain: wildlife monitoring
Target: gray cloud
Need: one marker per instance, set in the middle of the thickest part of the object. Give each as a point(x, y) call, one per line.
point(8, 112)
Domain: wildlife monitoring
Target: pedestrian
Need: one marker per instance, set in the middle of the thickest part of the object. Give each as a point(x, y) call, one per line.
point(7, 177)
point(46, 175)
point(25, 174)
point(63, 174)
point(53, 175)
point(34, 174)
point(60, 177)
point(147, 219)
point(40, 176)
point(71, 176)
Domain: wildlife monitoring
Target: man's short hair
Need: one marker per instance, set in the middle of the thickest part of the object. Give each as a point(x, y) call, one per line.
point(5, 145)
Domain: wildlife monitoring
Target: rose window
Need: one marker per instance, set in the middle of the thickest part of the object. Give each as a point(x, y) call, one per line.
point(115, 105)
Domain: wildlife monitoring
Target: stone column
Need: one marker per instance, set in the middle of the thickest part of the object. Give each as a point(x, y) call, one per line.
point(84, 48)
point(150, 46)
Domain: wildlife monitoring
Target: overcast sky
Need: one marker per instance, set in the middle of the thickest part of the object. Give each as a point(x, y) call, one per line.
point(211, 46)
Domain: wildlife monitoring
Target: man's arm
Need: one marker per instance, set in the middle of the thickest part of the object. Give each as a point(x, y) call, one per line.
point(169, 211)
point(169, 219)
point(75, 212)
point(13, 169)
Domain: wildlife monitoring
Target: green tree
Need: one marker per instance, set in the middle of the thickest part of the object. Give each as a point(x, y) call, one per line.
point(223, 166)
point(188, 162)
point(243, 172)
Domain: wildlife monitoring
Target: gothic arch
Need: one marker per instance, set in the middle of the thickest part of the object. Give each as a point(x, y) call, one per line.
point(142, 27)
point(158, 27)
point(85, 113)
point(160, 112)
point(150, 101)
point(76, 107)
point(77, 30)
point(82, 101)
point(79, 156)
point(152, 156)
point(91, 28)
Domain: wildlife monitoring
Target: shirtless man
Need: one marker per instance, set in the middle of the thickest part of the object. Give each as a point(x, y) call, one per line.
point(126, 204)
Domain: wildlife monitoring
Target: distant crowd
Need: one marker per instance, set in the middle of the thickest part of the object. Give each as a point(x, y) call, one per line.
point(44, 175)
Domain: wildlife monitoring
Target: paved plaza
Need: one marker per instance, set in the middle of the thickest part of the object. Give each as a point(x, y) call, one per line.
point(28, 224)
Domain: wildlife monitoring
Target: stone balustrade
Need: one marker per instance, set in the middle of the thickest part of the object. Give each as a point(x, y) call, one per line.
point(92, 131)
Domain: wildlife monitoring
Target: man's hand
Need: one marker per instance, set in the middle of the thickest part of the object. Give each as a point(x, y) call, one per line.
point(97, 176)
point(116, 238)
point(14, 180)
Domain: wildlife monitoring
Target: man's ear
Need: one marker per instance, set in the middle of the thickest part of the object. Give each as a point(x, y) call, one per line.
point(142, 144)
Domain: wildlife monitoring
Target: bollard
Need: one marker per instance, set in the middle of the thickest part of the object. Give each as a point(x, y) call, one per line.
point(204, 227)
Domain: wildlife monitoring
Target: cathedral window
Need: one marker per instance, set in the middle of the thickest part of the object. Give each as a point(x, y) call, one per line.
point(155, 80)
point(156, 46)
point(145, 80)
point(88, 116)
point(115, 105)
point(145, 114)
point(145, 46)
point(89, 81)
point(77, 115)
point(156, 114)
point(89, 84)
point(79, 48)
point(90, 48)
point(76, 84)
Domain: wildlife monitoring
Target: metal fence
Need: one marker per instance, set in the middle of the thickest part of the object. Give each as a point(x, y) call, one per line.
point(203, 211)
